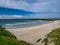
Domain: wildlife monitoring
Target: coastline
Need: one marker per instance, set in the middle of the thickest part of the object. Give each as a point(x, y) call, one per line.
point(32, 34)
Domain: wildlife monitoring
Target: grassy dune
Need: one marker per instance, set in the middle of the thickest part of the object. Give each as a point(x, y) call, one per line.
point(53, 36)
point(7, 38)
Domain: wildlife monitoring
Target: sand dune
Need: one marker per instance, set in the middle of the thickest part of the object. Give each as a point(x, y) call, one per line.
point(32, 34)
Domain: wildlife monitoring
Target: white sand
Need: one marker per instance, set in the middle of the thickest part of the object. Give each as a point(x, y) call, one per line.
point(32, 34)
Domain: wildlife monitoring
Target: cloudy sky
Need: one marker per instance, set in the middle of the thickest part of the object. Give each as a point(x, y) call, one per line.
point(29, 8)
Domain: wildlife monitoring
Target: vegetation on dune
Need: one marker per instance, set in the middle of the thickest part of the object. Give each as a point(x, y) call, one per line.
point(45, 41)
point(53, 36)
point(3, 32)
point(7, 38)
point(38, 40)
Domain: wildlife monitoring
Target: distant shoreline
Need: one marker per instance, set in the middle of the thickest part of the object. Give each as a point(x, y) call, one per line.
point(49, 19)
point(21, 23)
point(28, 26)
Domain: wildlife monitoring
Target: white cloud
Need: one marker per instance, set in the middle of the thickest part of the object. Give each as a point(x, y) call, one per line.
point(13, 4)
point(10, 16)
point(34, 6)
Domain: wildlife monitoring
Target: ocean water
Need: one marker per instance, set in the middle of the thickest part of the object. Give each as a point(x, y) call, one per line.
point(21, 23)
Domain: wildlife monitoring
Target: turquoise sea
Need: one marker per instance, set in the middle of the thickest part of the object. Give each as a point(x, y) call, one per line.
point(21, 23)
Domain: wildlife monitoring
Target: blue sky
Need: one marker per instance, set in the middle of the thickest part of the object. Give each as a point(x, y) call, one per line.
point(29, 8)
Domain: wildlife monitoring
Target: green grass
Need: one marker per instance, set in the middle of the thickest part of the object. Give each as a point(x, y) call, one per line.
point(54, 36)
point(7, 38)
point(3, 32)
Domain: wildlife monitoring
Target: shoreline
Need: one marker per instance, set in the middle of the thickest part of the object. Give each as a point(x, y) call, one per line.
point(26, 24)
point(32, 34)
point(31, 25)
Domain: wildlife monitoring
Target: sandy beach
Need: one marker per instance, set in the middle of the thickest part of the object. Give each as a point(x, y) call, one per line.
point(32, 34)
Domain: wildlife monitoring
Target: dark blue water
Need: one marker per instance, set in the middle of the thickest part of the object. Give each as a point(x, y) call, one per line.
point(21, 23)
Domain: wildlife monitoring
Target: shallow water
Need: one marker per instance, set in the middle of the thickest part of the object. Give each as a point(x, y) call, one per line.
point(21, 23)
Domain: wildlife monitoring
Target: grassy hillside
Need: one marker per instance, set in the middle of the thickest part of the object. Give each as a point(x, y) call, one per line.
point(53, 36)
point(7, 38)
